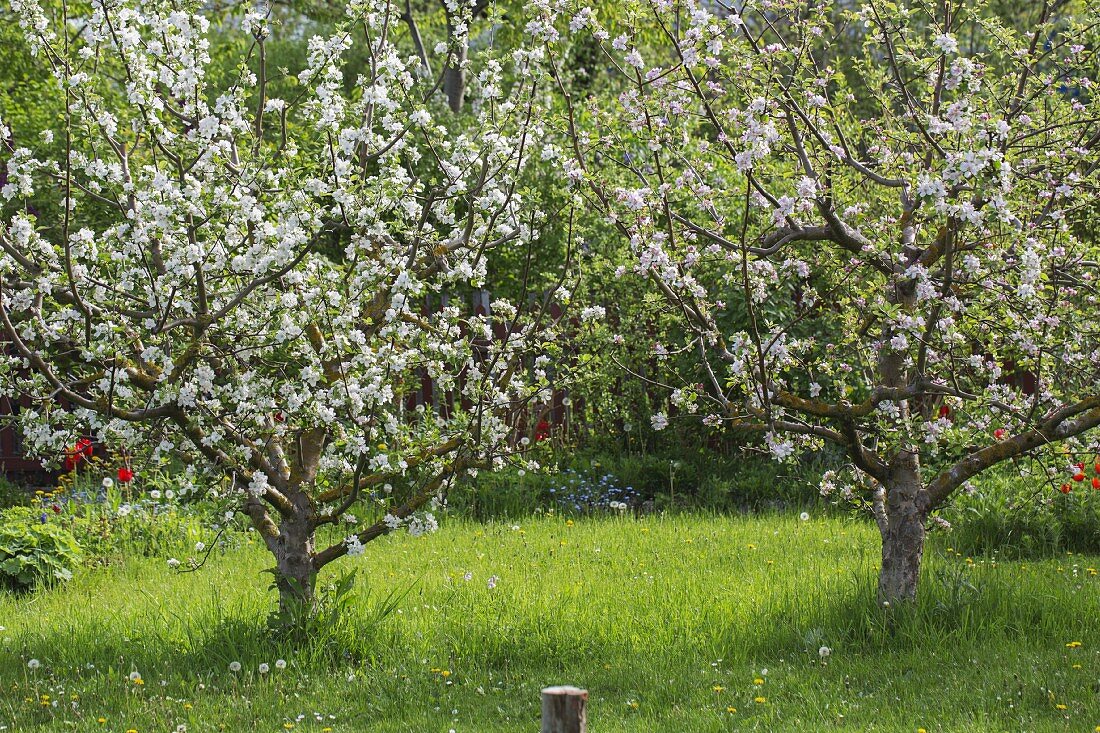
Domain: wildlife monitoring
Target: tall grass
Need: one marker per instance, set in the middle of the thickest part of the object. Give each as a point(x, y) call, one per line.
point(668, 621)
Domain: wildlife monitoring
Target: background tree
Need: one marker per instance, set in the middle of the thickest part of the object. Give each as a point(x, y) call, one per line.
point(186, 297)
point(893, 196)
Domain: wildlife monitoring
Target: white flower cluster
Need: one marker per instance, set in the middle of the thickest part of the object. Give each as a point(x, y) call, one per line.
point(199, 286)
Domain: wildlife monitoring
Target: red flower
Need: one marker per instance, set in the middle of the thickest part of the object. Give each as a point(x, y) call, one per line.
point(542, 430)
point(1081, 465)
point(1096, 482)
point(56, 508)
point(1097, 468)
point(999, 433)
point(945, 411)
point(82, 450)
point(279, 417)
point(125, 475)
point(1066, 488)
point(1078, 477)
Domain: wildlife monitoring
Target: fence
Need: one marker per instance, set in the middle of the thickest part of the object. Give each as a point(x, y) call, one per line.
point(13, 462)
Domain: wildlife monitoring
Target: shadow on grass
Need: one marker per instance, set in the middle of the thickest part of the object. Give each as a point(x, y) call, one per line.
point(202, 637)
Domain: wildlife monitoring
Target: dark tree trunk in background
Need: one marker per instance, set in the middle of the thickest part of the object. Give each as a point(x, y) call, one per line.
point(454, 76)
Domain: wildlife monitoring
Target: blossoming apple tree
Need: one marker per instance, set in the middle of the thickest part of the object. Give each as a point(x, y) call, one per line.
point(876, 221)
point(238, 270)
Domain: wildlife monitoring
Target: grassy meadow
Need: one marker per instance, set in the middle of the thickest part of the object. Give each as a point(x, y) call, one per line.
point(673, 623)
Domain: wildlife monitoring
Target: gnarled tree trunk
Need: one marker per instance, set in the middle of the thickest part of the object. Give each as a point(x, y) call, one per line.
point(902, 535)
point(295, 571)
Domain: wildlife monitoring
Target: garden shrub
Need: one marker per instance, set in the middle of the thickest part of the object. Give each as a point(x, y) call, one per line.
point(34, 550)
point(1023, 516)
point(12, 494)
point(589, 482)
point(114, 520)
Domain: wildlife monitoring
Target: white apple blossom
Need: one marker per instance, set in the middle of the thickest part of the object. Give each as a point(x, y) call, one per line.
point(940, 203)
point(257, 285)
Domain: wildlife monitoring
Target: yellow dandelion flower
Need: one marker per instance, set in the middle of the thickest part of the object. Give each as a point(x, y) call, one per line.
point(101, 721)
point(717, 688)
point(760, 700)
point(731, 709)
point(758, 681)
point(1060, 706)
point(288, 725)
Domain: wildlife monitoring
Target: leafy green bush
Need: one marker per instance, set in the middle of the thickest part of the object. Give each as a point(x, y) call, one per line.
point(112, 520)
point(1024, 516)
point(34, 550)
point(688, 479)
point(12, 494)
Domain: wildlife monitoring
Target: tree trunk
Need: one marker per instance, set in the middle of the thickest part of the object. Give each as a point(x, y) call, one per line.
point(902, 539)
point(454, 75)
point(295, 572)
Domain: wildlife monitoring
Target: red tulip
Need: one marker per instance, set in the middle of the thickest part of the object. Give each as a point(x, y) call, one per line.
point(82, 449)
point(125, 475)
point(1078, 477)
point(1096, 483)
point(1065, 488)
point(999, 433)
point(56, 508)
point(944, 410)
point(279, 417)
point(1097, 468)
point(1081, 465)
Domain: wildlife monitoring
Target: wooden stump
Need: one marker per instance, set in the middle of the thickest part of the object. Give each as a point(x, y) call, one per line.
point(563, 710)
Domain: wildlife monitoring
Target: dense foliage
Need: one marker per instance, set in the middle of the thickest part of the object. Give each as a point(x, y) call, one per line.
point(237, 242)
point(33, 550)
point(872, 221)
point(248, 267)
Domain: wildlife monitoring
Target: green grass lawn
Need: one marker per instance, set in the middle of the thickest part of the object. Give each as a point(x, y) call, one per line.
point(672, 624)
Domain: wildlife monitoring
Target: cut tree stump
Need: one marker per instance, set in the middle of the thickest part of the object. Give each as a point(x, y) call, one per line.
point(563, 710)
